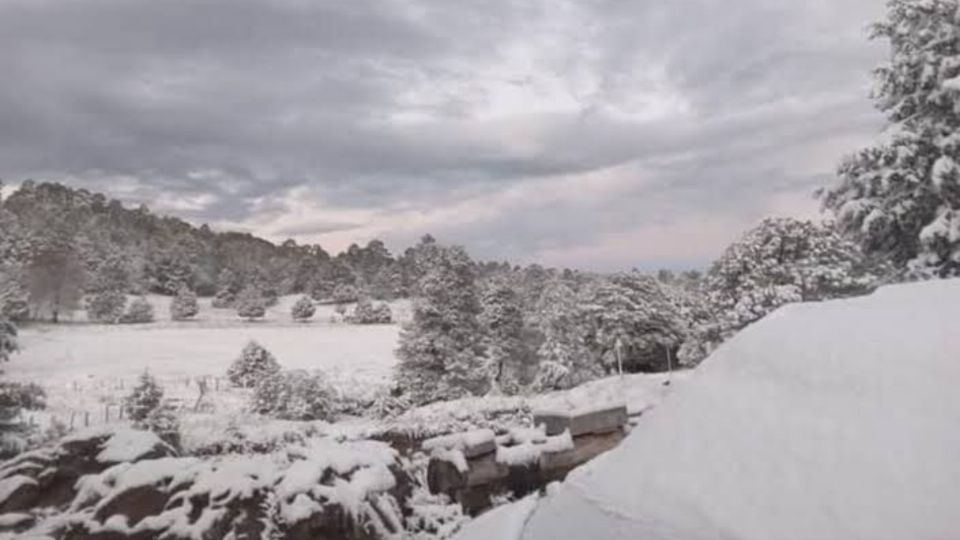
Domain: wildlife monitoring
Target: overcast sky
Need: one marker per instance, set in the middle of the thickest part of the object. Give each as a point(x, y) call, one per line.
point(597, 134)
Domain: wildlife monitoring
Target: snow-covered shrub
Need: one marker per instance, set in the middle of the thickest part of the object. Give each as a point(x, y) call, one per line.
point(143, 398)
point(387, 404)
point(106, 306)
point(303, 309)
point(224, 298)
point(14, 300)
point(551, 375)
point(29, 396)
point(184, 305)
point(8, 339)
point(250, 304)
point(140, 311)
point(345, 294)
point(294, 395)
point(254, 364)
point(366, 312)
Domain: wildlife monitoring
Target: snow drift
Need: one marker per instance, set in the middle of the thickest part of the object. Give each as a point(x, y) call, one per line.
point(833, 420)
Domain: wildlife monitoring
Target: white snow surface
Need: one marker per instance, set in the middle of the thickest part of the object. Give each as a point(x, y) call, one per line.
point(831, 420)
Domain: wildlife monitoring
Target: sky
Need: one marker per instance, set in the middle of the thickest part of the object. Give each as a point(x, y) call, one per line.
point(594, 134)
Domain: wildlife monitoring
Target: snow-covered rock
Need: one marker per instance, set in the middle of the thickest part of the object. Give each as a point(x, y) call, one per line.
point(830, 420)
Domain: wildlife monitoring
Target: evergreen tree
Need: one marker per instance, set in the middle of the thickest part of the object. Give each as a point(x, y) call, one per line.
point(254, 364)
point(140, 311)
point(565, 360)
point(106, 306)
point(440, 353)
point(502, 321)
point(901, 197)
point(184, 305)
point(228, 286)
point(143, 398)
point(250, 304)
point(781, 261)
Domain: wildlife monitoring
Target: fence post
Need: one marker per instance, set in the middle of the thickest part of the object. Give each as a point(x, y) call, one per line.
point(86, 418)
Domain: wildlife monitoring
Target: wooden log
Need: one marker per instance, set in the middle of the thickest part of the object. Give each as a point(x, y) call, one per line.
point(556, 465)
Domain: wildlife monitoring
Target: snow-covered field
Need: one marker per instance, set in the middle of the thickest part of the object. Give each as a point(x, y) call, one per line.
point(87, 368)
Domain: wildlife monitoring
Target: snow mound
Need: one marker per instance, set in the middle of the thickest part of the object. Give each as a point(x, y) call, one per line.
point(830, 420)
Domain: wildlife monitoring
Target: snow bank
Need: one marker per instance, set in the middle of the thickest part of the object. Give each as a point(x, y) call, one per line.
point(829, 420)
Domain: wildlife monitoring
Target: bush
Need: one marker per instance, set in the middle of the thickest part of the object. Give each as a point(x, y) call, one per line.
point(17, 396)
point(140, 311)
point(184, 305)
point(250, 304)
point(366, 312)
point(294, 395)
point(303, 309)
point(106, 307)
point(254, 364)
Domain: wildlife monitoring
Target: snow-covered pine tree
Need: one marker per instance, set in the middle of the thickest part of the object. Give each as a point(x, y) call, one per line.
point(440, 352)
point(780, 261)
point(106, 306)
point(565, 360)
point(303, 309)
point(501, 318)
point(254, 364)
point(228, 286)
point(250, 304)
point(901, 197)
point(143, 398)
point(184, 305)
point(140, 311)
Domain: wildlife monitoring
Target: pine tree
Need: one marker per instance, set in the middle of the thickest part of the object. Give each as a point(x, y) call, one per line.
point(184, 305)
point(565, 360)
point(106, 306)
point(502, 321)
point(254, 364)
point(146, 396)
point(140, 311)
point(250, 304)
point(440, 353)
point(901, 197)
point(780, 261)
point(303, 309)
point(294, 395)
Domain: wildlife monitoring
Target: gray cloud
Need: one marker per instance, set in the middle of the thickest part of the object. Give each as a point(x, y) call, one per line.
point(459, 118)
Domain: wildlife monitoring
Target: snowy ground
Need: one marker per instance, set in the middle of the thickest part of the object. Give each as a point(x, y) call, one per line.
point(87, 368)
point(830, 420)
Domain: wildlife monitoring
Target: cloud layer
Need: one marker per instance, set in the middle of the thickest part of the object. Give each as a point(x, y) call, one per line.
point(589, 133)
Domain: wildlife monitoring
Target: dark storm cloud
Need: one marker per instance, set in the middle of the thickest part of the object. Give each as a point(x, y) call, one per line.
point(220, 110)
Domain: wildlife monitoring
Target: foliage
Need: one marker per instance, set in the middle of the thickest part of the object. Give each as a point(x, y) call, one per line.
point(294, 395)
point(440, 352)
point(366, 312)
point(140, 311)
point(303, 309)
point(253, 365)
point(780, 261)
point(143, 398)
point(250, 304)
point(184, 305)
point(501, 319)
point(901, 197)
point(106, 306)
point(8, 339)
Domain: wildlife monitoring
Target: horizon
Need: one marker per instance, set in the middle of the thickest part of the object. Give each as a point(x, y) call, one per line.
point(532, 132)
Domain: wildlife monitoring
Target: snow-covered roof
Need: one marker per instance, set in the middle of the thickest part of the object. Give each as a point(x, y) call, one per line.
point(830, 420)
